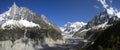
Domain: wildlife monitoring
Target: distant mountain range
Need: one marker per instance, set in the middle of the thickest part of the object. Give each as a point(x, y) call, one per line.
point(102, 20)
point(72, 27)
point(90, 31)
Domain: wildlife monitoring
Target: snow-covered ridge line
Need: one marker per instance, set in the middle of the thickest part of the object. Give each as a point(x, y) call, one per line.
point(19, 23)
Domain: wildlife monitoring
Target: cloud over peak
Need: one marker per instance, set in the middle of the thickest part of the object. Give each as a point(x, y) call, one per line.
point(110, 10)
point(103, 2)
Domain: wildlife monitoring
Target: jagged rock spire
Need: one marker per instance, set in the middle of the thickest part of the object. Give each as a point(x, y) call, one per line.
point(14, 8)
point(14, 5)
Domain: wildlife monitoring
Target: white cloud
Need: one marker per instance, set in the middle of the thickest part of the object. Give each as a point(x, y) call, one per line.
point(103, 2)
point(110, 10)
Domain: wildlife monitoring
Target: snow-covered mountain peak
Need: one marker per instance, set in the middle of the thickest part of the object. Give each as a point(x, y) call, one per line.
point(20, 22)
point(103, 17)
point(13, 9)
point(72, 27)
point(74, 24)
point(14, 6)
point(16, 13)
point(17, 17)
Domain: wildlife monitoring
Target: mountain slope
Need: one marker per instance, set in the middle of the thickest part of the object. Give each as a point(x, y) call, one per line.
point(21, 17)
point(108, 40)
point(94, 28)
point(99, 22)
point(22, 29)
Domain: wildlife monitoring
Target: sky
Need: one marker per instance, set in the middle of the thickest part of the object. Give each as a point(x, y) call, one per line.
point(61, 12)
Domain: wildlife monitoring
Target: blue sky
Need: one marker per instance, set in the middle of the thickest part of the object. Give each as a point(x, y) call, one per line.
point(61, 11)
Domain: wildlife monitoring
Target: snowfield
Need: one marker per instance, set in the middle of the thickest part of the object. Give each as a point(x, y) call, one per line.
point(19, 23)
